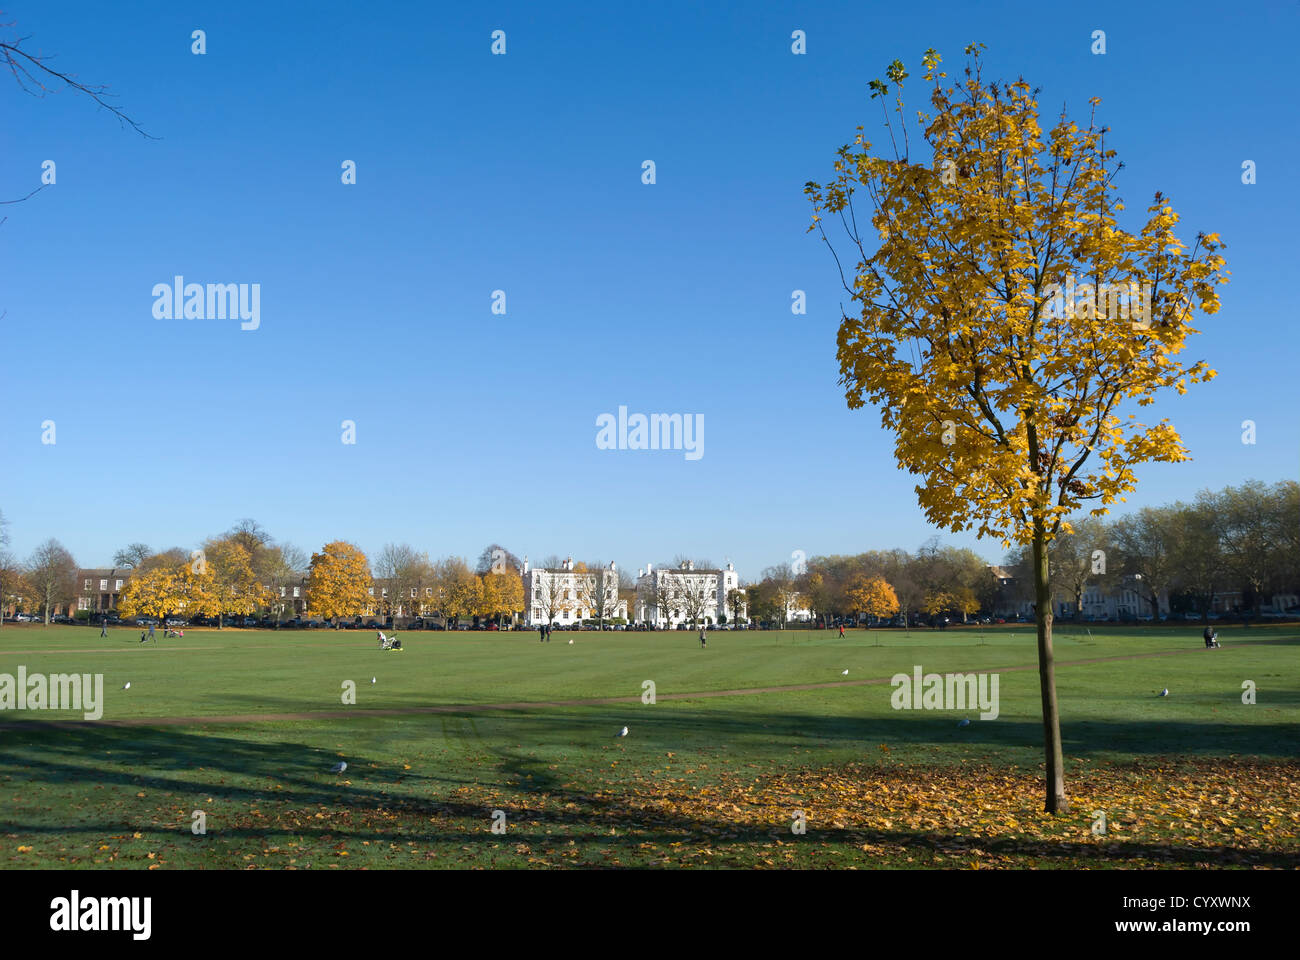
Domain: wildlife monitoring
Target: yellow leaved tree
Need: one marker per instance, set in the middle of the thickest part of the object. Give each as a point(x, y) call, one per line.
point(939, 601)
point(1005, 323)
point(873, 596)
point(150, 594)
point(503, 594)
point(232, 585)
point(338, 582)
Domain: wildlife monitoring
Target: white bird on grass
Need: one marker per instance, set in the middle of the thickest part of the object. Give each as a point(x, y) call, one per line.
point(128, 685)
point(844, 673)
point(622, 733)
point(1164, 692)
point(339, 767)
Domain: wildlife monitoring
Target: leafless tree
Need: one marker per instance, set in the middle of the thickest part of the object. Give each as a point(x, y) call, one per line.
point(52, 573)
point(35, 75)
point(132, 555)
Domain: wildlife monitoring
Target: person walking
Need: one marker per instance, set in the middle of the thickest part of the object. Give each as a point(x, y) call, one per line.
point(151, 636)
point(541, 633)
point(841, 628)
point(703, 639)
point(103, 626)
point(549, 628)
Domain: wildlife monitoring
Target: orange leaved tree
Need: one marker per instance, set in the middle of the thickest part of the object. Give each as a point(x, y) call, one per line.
point(1005, 323)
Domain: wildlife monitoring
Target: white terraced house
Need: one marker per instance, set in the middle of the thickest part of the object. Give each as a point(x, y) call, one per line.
point(668, 597)
point(566, 596)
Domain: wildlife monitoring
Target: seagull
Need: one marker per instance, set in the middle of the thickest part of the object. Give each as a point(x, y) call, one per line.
point(965, 722)
point(372, 679)
point(128, 685)
point(1164, 692)
point(622, 733)
point(571, 641)
point(844, 673)
point(338, 767)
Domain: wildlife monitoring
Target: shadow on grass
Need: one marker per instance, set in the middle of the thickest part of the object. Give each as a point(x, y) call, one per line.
point(411, 808)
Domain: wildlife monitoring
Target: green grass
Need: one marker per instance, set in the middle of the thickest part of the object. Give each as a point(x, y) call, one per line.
point(421, 787)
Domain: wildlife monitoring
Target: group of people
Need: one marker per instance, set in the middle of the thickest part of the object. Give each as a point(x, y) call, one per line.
point(147, 635)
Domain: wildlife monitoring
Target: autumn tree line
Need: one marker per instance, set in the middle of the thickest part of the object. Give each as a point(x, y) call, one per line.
point(1242, 541)
point(244, 572)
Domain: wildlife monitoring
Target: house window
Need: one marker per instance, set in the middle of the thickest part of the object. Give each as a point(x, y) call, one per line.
point(119, 585)
point(103, 584)
point(295, 592)
point(83, 603)
point(282, 591)
point(87, 584)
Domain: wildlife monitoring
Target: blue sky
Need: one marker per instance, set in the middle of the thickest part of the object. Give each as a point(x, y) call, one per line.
point(523, 173)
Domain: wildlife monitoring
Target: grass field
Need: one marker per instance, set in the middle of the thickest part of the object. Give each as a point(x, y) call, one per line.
point(245, 726)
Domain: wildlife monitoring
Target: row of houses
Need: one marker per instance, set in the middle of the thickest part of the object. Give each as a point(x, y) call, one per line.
point(671, 596)
point(662, 597)
point(564, 595)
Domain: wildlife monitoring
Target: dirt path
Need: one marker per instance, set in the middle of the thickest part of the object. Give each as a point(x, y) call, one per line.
point(460, 708)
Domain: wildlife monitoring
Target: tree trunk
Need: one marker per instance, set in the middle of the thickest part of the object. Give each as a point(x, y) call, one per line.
point(1055, 760)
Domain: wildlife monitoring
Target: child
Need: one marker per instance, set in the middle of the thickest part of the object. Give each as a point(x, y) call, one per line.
point(1211, 638)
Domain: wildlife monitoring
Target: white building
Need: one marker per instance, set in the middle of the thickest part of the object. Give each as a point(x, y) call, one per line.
point(565, 596)
point(667, 597)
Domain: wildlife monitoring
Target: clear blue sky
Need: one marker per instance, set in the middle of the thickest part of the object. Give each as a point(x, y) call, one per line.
point(523, 173)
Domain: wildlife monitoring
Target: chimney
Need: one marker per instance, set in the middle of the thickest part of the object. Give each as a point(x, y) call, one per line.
point(525, 563)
